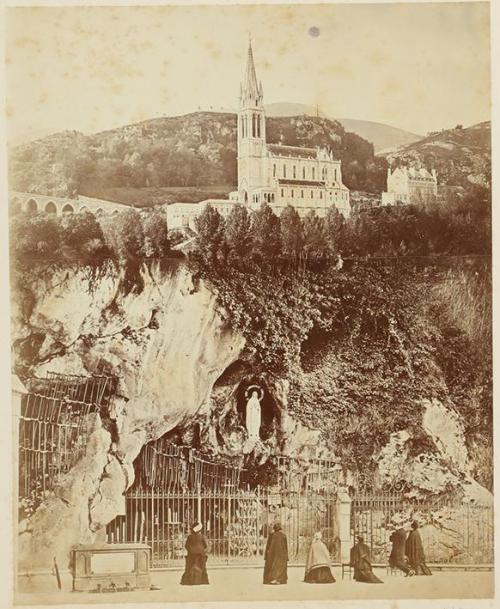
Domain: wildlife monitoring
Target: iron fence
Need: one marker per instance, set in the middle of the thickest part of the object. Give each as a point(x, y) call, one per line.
point(452, 531)
point(54, 424)
point(236, 522)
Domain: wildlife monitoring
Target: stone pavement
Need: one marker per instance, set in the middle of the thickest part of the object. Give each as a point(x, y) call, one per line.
point(245, 584)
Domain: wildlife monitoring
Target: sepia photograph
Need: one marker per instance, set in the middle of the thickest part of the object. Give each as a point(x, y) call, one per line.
point(250, 270)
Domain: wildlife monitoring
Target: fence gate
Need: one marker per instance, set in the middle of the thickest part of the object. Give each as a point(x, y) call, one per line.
point(236, 522)
point(452, 531)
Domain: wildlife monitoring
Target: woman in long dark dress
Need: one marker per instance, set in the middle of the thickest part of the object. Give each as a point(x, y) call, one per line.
point(318, 569)
point(415, 551)
point(195, 572)
point(276, 557)
point(362, 564)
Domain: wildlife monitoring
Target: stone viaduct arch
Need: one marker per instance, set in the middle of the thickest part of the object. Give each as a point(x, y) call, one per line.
point(34, 203)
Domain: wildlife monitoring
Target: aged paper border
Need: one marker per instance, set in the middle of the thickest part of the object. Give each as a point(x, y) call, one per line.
point(6, 445)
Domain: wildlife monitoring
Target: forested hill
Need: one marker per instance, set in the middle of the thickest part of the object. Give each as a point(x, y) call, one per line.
point(461, 156)
point(193, 150)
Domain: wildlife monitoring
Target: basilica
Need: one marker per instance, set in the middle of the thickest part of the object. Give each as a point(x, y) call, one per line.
point(309, 179)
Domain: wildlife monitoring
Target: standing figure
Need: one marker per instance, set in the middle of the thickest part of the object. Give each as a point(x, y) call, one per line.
point(415, 552)
point(362, 564)
point(276, 557)
point(397, 558)
point(195, 572)
point(318, 569)
point(253, 413)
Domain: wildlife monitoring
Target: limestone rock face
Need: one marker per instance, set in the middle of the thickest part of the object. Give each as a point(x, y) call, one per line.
point(167, 344)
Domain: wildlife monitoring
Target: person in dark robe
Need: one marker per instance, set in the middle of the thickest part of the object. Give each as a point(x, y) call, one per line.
point(195, 572)
point(318, 569)
point(415, 552)
point(397, 558)
point(362, 564)
point(276, 557)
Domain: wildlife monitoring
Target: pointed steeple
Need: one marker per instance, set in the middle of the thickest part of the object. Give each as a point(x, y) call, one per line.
point(251, 90)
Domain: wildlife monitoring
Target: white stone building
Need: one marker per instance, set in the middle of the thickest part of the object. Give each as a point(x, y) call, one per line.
point(306, 178)
point(409, 185)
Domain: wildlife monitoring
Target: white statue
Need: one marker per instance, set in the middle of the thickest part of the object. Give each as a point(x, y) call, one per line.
point(253, 412)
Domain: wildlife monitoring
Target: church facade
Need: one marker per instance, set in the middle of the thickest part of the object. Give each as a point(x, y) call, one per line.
point(309, 179)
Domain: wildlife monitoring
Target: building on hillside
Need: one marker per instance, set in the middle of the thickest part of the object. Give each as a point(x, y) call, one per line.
point(305, 178)
point(409, 185)
point(308, 179)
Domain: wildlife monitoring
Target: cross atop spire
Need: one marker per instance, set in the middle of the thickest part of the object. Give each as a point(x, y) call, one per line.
point(251, 90)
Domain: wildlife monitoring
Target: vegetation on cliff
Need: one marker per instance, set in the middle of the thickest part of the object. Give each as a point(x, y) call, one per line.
point(363, 340)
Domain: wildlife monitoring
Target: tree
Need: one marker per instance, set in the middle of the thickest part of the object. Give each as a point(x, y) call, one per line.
point(82, 239)
point(34, 239)
point(335, 230)
point(238, 231)
point(315, 246)
point(156, 242)
point(292, 238)
point(210, 239)
point(266, 234)
point(126, 235)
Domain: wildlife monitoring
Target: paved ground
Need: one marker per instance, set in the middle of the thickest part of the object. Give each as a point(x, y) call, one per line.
point(241, 584)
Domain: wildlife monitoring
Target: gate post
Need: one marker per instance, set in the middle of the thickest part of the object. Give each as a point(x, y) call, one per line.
point(344, 520)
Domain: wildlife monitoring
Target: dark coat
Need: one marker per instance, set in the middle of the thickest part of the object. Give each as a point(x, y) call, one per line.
point(415, 553)
point(195, 572)
point(362, 564)
point(276, 558)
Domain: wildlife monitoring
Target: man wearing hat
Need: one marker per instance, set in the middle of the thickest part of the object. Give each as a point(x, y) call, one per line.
point(195, 572)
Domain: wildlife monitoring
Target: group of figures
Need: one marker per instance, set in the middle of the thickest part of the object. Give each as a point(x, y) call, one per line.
point(318, 570)
point(407, 555)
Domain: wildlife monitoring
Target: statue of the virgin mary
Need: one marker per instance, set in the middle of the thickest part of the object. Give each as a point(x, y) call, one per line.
point(253, 411)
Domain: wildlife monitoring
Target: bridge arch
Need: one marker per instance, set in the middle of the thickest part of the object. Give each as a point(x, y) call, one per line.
point(84, 210)
point(99, 211)
point(31, 206)
point(51, 208)
point(68, 209)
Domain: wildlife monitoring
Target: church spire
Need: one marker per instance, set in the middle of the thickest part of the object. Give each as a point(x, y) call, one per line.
point(251, 91)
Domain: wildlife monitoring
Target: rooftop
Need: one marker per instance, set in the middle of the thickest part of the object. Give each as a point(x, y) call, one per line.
point(292, 151)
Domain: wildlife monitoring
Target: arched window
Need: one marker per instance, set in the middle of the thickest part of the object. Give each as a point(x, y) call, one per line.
point(272, 197)
point(51, 208)
point(303, 173)
point(291, 193)
point(294, 170)
point(284, 171)
point(67, 209)
point(324, 173)
point(313, 173)
point(312, 194)
point(335, 174)
point(257, 121)
point(320, 194)
point(301, 194)
point(274, 170)
point(282, 192)
point(31, 206)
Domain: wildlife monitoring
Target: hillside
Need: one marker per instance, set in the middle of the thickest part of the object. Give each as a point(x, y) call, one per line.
point(460, 156)
point(380, 135)
point(195, 150)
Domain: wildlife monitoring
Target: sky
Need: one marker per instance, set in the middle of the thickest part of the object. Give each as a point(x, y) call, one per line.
point(419, 67)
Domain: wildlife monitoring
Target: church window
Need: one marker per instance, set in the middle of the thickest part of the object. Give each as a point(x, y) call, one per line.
point(312, 194)
point(301, 194)
point(335, 174)
point(324, 173)
point(282, 192)
point(294, 172)
point(303, 173)
point(291, 193)
point(272, 197)
point(258, 125)
point(284, 171)
point(274, 170)
point(313, 173)
point(320, 194)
